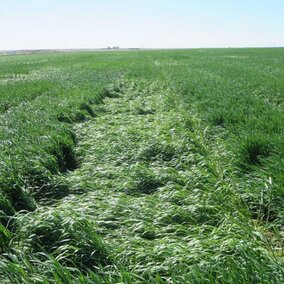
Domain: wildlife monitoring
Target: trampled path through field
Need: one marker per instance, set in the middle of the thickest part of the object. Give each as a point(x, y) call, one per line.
point(153, 187)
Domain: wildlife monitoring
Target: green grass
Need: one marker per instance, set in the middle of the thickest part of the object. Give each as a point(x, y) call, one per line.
point(142, 167)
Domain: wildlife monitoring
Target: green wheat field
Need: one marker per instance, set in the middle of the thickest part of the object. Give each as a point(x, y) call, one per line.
point(162, 166)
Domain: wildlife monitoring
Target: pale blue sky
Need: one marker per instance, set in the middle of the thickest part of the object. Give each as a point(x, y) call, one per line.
point(31, 24)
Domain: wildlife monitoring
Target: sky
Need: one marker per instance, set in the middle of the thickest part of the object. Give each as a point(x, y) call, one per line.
point(61, 24)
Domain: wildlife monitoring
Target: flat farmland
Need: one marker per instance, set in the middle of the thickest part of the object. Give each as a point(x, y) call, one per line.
point(149, 166)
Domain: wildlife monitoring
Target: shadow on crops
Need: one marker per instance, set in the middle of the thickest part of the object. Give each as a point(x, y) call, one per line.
point(253, 152)
point(112, 91)
point(66, 158)
point(158, 151)
point(73, 239)
point(145, 180)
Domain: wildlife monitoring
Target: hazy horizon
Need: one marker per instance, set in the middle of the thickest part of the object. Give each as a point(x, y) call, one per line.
point(86, 24)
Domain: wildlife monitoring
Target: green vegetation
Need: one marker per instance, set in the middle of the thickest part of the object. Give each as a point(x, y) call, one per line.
point(142, 167)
